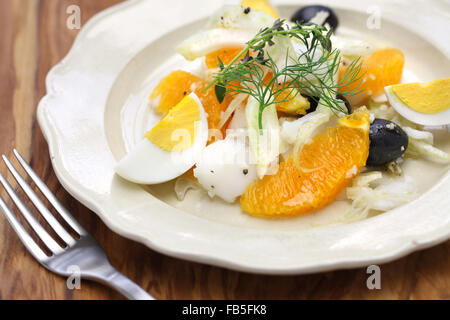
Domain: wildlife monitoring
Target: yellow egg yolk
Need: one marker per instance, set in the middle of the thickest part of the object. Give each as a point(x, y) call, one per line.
point(177, 130)
point(432, 97)
point(261, 5)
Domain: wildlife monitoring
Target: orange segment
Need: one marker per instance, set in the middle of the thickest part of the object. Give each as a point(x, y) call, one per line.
point(173, 88)
point(328, 163)
point(212, 106)
point(226, 56)
point(382, 68)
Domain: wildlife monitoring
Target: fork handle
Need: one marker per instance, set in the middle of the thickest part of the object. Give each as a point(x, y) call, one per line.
point(118, 281)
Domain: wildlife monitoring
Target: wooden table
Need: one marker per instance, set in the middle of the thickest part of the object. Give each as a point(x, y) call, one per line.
point(33, 38)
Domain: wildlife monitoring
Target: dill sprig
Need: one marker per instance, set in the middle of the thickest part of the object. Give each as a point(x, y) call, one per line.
point(255, 72)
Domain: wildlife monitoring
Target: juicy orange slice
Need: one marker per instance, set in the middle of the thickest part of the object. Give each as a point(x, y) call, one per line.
point(328, 163)
point(384, 67)
point(172, 89)
point(226, 56)
point(178, 84)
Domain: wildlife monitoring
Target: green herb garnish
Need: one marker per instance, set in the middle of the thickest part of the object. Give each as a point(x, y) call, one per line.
point(311, 73)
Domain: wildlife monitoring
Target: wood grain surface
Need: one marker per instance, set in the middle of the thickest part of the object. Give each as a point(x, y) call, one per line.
point(33, 38)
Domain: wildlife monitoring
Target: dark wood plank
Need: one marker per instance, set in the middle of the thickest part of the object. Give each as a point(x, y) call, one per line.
point(33, 38)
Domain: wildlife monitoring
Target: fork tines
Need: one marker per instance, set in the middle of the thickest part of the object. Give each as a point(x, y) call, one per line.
point(48, 241)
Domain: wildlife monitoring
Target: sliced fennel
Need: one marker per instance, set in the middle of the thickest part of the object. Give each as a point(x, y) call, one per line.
point(265, 143)
point(365, 179)
point(351, 48)
point(229, 27)
point(307, 127)
point(282, 53)
point(384, 197)
point(208, 41)
point(237, 101)
point(428, 151)
point(182, 185)
point(414, 134)
point(421, 144)
point(234, 17)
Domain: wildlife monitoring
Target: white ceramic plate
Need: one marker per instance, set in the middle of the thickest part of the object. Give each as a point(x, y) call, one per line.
point(95, 108)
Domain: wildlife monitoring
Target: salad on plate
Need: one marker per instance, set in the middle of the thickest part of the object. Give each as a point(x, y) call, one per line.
point(284, 117)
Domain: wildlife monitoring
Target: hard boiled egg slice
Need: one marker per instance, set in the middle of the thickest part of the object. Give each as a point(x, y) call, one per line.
point(171, 148)
point(422, 103)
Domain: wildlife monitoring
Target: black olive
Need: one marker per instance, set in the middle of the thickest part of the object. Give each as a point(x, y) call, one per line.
point(388, 142)
point(313, 102)
point(305, 14)
point(347, 104)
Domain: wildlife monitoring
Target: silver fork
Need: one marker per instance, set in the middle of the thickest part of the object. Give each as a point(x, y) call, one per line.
point(84, 253)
